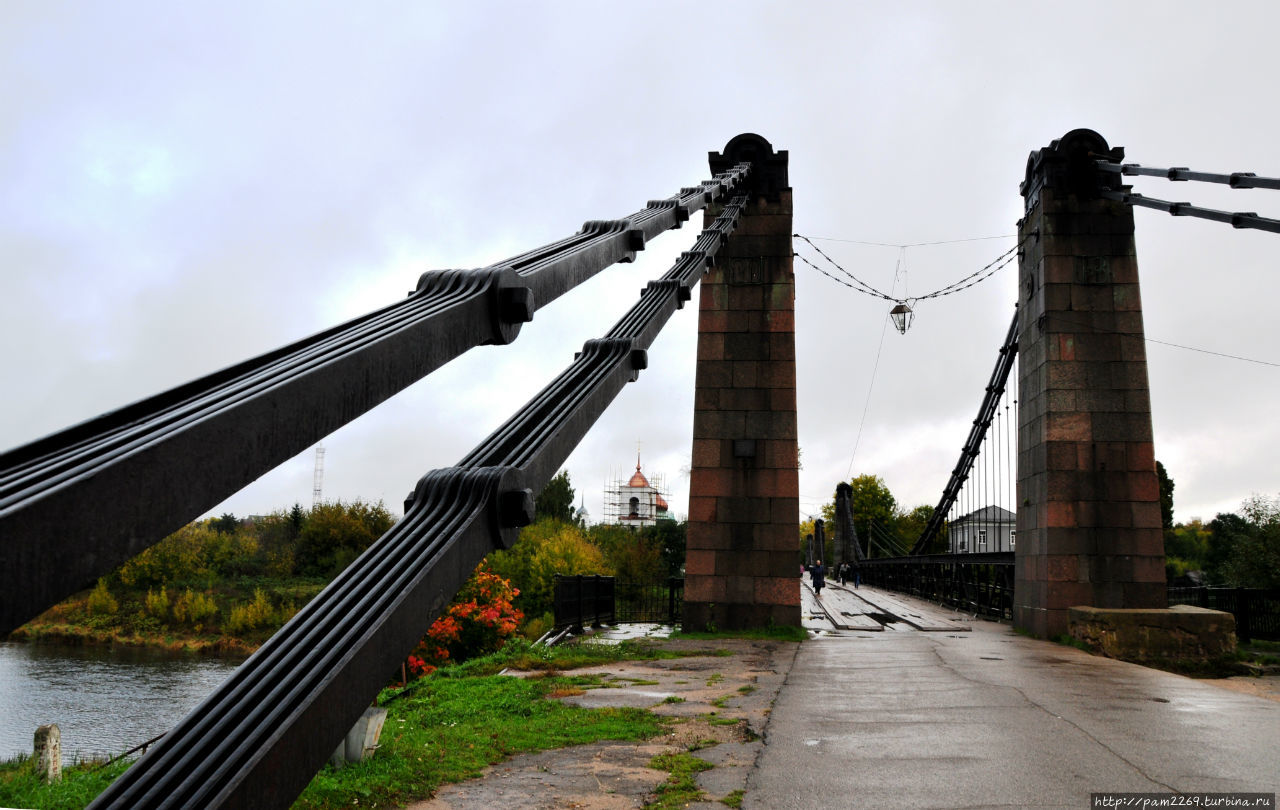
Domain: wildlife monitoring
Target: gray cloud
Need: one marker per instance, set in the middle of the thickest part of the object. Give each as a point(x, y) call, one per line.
point(179, 191)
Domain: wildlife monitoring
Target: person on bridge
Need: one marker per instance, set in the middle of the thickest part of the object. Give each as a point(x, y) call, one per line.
point(817, 575)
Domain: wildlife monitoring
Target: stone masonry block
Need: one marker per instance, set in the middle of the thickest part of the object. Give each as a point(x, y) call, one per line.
point(711, 481)
point(711, 346)
point(1069, 426)
point(740, 589)
point(782, 399)
point(777, 590)
point(706, 452)
point(713, 297)
point(705, 535)
point(747, 346)
point(704, 589)
point(701, 509)
point(711, 321)
point(777, 374)
point(713, 374)
point(744, 399)
point(706, 399)
point(782, 346)
point(700, 562)
point(745, 374)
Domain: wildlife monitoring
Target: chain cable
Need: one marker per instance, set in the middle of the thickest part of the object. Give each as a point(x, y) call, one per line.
point(959, 285)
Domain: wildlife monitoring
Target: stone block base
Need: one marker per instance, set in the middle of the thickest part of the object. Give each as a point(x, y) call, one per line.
point(1178, 634)
point(711, 616)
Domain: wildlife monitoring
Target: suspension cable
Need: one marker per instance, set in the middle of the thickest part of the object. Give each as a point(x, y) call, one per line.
point(1236, 219)
point(1182, 173)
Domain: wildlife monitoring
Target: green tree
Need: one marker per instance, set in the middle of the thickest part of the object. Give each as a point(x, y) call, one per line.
point(556, 499)
point(296, 518)
point(671, 538)
point(1251, 551)
point(335, 533)
point(1166, 497)
point(1186, 548)
point(910, 525)
point(226, 524)
point(870, 500)
point(546, 548)
point(1227, 530)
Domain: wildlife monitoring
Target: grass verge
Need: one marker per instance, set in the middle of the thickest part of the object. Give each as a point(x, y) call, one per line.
point(451, 728)
point(775, 633)
point(446, 727)
point(81, 782)
point(681, 787)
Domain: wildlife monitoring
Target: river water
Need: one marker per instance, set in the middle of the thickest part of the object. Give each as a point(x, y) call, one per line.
point(105, 701)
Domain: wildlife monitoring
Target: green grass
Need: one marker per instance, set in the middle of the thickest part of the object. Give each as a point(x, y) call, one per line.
point(1068, 640)
point(734, 799)
point(20, 787)
point(681, 788)
point(443, 728)
point(775, 633)
point(451, 728)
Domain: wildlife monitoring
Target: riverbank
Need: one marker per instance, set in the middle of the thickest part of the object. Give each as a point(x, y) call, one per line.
point(79, 635)
point(455, 724)
point(230, 617)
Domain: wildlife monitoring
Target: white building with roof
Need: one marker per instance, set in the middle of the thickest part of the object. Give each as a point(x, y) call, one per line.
point(636, 502)
point(990, 528)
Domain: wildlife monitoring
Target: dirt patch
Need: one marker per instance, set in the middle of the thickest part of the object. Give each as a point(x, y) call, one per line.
point(716, 704)
point(1268, 686)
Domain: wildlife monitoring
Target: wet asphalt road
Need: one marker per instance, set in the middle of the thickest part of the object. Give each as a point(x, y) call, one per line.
point(988, 718)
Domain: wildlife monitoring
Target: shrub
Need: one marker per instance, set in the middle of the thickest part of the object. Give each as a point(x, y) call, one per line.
point(251, 616)
point(479, 621)
point(157, 604)
point(546, 548)
point(101, 602)
point(194, 607)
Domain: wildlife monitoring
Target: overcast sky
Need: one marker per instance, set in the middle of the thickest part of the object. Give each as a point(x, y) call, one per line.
point(182, 189)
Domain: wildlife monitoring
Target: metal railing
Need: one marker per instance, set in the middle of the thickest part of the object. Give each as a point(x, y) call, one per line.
point(981, 584)
point(1257, 610)
point(581, 601)
point(591, 601)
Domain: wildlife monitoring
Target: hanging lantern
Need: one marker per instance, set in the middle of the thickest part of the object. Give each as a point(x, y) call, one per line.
point(901, 315)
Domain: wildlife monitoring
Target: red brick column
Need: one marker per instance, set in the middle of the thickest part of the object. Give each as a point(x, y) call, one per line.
point(1089, 530)
point(742, 566)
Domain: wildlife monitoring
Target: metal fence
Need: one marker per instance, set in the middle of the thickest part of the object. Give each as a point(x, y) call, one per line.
point(591, 601)
point(1257, 610)
point(983, 584)
point(977, 583)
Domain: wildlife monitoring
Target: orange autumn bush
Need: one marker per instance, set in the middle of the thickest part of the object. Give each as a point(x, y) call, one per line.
point(479, 621)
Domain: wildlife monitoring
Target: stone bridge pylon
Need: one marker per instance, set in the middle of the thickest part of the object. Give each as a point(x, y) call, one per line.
point(744, 493)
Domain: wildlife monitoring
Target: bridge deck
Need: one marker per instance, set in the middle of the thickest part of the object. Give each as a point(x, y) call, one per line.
point(846, 608)
point(991, 718)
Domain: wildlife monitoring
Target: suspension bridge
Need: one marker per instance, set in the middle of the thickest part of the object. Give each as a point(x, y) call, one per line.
point(1085, 527)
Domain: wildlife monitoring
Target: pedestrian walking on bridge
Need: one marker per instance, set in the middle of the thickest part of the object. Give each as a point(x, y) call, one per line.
point(817, 575)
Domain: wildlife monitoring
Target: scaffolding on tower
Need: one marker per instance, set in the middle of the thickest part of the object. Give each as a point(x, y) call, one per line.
point(317, 481)
point(637, 501)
